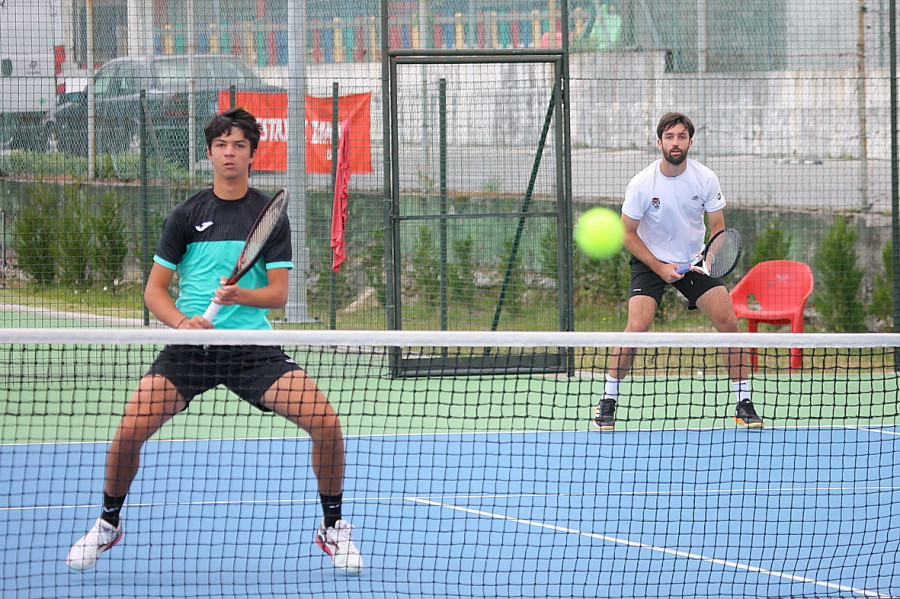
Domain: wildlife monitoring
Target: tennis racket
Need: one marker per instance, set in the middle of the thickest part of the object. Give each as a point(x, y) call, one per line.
point(256, 242)
point(720, 255)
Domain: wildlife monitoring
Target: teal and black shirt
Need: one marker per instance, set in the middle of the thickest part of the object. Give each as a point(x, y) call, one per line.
point(202, 238)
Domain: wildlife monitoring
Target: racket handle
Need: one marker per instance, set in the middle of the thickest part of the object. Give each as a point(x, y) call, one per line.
point(211, 311)
point(683, 269)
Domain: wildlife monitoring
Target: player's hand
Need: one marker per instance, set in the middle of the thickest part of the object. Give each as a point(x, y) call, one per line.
point(699, 268)
point(669, 273)
point(226, 294)
point(195, 322)
point(697, 264)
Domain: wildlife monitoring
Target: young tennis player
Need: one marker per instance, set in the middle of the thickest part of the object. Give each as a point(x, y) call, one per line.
point(663, 214)
point(201, 240)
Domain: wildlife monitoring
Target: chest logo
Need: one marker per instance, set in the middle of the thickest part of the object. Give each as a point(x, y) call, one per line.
point(204, 225)
point(655, 203)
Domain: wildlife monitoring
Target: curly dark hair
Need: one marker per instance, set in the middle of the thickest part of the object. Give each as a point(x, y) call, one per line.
point(221, 124)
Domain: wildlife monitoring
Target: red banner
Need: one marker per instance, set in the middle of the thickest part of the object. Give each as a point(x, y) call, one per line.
point(353, 108)
point(270, 110)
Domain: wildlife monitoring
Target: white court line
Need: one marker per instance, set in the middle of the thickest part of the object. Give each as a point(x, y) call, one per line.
point(875, 428)
point(480, 496)
point(665, 550)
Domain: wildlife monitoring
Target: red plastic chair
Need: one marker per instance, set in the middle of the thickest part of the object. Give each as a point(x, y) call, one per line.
point(781, 289)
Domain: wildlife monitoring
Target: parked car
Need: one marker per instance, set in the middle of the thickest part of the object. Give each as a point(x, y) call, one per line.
point(166, 79)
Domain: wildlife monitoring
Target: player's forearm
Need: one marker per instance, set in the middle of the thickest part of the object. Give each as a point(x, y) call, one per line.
point(267, 297)
point(639, 250)
point(163, 308)
point(716, 222)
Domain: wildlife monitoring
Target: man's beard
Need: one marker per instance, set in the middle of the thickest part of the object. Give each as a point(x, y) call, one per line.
point(675, 161)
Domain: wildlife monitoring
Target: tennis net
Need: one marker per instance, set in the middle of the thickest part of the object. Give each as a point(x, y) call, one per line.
point(490, 484)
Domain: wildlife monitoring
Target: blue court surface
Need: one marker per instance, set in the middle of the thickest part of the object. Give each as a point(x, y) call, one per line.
point(718, 512)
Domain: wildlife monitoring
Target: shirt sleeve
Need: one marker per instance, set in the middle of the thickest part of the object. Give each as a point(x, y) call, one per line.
point(715, 201)
point(279, 253)
point(634, 205)
point(172, 244)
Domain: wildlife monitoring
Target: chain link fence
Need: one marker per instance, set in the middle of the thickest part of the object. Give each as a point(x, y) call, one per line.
point(103, 105)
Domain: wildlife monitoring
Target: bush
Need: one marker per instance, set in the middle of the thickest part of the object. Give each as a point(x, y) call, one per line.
point(110, 246)
point(839, 280)
point(64, 239)
point(425, 267)
point(547, 251)
point(882, 305)
point(773, 243)
point(462, 272)
point(34, 235)
point(372, 256)
point(73, 249)
point(514, 296)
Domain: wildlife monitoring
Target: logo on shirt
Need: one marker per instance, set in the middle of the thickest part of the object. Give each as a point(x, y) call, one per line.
point(204, 225)
point(655, 203)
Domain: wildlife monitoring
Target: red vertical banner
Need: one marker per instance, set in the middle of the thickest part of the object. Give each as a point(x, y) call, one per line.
point(339, 203)
point(353, 108)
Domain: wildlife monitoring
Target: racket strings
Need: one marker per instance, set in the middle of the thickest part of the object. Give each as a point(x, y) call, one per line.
point(257, 239)
point(724, 250)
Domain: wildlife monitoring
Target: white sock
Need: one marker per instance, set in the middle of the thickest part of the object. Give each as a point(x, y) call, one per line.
point(611, 390)
point(741, 390)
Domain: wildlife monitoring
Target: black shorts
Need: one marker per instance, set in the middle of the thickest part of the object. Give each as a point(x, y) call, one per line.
point(646, 282)
point(247, 370)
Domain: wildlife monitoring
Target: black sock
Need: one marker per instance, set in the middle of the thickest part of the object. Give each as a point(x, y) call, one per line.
point(111, 508)
point(331, 508)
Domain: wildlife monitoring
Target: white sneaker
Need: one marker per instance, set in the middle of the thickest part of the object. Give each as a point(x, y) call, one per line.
point(87, 550)
point(337, 543)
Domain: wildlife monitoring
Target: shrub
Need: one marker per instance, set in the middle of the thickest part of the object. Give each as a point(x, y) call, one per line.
point(73, 249)
point(882, 305)
point(64, 238)
point(34, 235)
point(110, 246)
point(547, 252)
point(372, 256)
point(839, 280)
point(513, 297)
point(461, 273)
point(773, 243)
point(425, 267)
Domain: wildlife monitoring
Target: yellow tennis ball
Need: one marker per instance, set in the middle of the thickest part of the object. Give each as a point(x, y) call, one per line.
point(599, 233)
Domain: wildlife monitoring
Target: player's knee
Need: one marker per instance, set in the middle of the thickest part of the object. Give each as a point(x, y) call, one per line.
point(728, 325)
point(323, 427)
point(127, 442)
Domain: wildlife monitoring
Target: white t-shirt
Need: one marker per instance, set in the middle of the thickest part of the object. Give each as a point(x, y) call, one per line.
point(671, 209)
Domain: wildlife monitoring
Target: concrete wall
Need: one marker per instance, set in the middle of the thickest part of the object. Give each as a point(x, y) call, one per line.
point(616, 99)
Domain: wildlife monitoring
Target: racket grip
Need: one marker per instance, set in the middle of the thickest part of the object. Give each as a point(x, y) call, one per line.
point(683, 269)
point(211, 311)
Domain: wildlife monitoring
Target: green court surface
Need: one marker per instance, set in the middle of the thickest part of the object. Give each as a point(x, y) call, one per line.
point(17, 316)
point(77, 393)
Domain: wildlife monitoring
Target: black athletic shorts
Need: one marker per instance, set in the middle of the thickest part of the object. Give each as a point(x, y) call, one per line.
point(247, 370)
point(646, 282)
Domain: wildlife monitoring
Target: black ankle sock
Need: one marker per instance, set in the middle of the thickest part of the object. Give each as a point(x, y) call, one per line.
point(111, 508)
point(331, 508)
